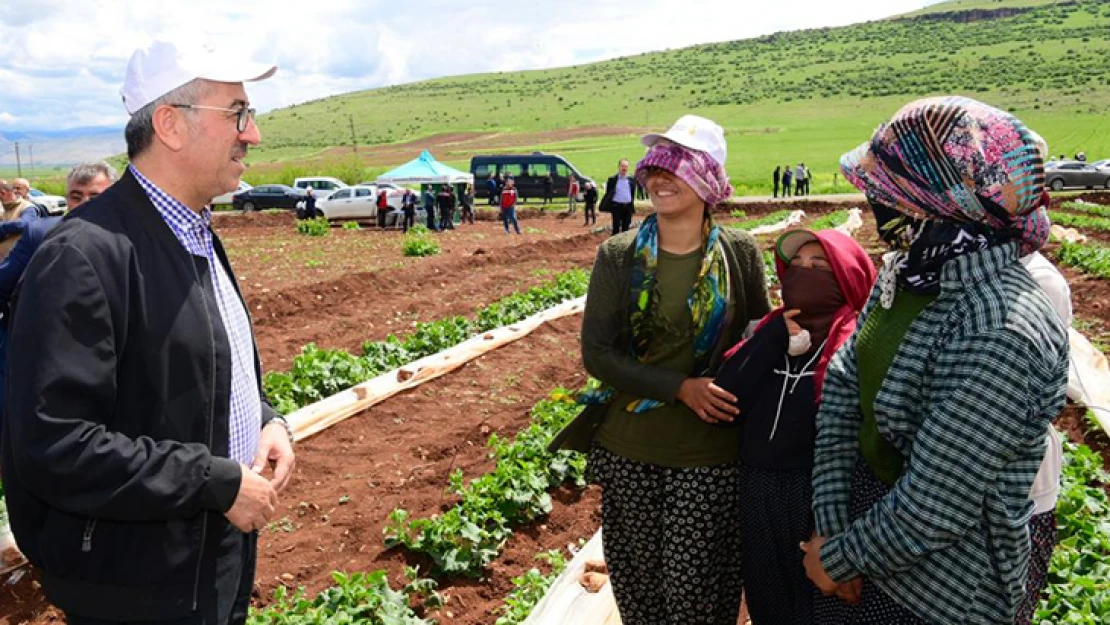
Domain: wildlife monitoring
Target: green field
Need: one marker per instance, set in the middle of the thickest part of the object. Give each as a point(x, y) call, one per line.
point(797, 96)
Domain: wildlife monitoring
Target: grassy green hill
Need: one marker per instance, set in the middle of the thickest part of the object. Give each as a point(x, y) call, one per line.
point(805, 95)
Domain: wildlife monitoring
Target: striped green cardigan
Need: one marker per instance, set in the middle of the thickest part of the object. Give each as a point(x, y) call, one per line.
point(977, 378)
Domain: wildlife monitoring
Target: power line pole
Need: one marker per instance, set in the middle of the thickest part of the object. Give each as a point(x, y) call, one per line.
point(354, 139)
point(18, 165)
point(31, 157)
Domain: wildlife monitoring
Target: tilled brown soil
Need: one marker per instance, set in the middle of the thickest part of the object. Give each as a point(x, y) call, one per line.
point(400, 453)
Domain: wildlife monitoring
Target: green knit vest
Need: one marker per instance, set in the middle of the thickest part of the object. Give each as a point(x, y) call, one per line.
point(877, 343)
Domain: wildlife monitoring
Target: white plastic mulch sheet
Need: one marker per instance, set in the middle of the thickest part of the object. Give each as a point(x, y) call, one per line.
point(1089, 378)
point(793, 219)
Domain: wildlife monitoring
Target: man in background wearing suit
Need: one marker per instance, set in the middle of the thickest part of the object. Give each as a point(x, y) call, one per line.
point(620, 192)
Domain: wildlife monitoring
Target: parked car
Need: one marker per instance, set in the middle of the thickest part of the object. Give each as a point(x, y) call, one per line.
point(321, 185)
point(227, 197)
point(528, 171)
point(268, 196)
point(1103, 164)
point(358, 202)
point(1076, 175)
point(55, 204)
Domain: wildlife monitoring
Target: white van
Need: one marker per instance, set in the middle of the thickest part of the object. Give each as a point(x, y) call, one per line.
point(322, 185)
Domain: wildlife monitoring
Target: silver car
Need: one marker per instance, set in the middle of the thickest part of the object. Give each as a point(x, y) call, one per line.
point(1076, 175)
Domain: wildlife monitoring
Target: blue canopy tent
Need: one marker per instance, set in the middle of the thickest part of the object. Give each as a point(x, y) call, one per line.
point(425, 169)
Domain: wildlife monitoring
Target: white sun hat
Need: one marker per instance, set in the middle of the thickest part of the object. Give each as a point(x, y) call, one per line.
point(697, 133)
point(163, 66)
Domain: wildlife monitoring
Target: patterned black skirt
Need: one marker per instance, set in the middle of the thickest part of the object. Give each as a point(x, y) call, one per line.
point(877, 608)
point(671, 538)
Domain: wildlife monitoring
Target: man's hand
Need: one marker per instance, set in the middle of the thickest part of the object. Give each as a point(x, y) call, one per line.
point(255, 503)
point(814, 569)
point(710, 402)
point(274, 449)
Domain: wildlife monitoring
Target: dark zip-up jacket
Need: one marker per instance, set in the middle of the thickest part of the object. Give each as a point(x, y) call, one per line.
point(778, 412)
point(115, 449)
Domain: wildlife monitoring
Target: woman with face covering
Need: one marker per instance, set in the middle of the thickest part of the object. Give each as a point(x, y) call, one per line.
point(933, 414)
point(664, 303)
point(776, 376)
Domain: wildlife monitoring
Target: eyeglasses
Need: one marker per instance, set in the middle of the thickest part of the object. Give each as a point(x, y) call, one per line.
point(243, 114)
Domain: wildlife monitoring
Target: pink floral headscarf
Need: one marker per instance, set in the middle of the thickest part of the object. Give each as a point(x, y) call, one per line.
point(696, 168)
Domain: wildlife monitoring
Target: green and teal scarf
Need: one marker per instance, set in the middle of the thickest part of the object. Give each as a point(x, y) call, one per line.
point(708, 302)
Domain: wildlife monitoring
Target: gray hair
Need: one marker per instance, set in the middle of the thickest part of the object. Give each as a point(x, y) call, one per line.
point(87, 172)
point(140, 128)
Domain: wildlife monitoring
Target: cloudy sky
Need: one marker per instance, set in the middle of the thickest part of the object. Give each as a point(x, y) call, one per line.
point(62, 61)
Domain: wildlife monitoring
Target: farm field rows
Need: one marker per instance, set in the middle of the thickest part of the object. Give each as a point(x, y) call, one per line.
point(402, 453)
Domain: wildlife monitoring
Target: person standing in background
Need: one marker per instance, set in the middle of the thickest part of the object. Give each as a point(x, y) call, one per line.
point(430, 206)
point(572, 194)
point(775, 178)
point(508, 206)
point(590, 198)
point(787, 180)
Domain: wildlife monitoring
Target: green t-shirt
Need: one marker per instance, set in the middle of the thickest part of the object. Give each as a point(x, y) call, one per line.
point(877, 344)
point(670, 435)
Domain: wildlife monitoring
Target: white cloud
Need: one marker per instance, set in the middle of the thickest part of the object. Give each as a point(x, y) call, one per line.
point(62, 61)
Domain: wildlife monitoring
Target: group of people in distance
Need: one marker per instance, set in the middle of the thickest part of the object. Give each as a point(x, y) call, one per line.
point(878, 448)
point(794, 180)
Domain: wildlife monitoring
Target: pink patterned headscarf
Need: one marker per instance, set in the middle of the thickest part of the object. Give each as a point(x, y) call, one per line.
point(956, 159)
point(696, 168)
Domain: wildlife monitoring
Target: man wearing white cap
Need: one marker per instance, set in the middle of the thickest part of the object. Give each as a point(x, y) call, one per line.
point(137, 444)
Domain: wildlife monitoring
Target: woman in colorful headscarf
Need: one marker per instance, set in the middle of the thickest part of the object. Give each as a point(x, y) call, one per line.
point(933, 415)
point(664, 302)
point(776, 376)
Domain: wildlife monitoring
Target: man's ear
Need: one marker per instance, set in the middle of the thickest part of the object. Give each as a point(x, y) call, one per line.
point(170, 127)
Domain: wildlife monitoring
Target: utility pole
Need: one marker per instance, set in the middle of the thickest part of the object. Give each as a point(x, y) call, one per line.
point(31, 157)
point(18, 165)
point(354, 139)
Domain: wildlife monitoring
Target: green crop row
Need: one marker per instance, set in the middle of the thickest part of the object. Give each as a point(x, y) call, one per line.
point(765, 220)
point(1097, 210)
point(466, 538)
point(1092, 259)
point(363, 598)
point(1081, 221)
point(1079, 577)
point(529, 589)
point(318, 373)
point(831, 220)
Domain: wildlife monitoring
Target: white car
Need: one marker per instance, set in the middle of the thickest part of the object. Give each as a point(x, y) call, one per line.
point(226, 198)
point(321, 185)
point(55, 204)
point(358, 202)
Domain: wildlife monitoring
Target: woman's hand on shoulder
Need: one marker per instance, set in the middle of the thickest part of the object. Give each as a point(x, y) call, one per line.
point(792, 326)
point(710, 402)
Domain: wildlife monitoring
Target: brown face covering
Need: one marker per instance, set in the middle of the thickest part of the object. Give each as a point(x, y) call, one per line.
point(817, 294)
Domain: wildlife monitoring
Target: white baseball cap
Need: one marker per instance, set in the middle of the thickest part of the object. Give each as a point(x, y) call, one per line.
point(162, 66)
point(696, 133)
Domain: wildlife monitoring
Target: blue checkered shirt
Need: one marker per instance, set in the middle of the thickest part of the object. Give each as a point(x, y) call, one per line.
point(976, 380)
point(194, 232)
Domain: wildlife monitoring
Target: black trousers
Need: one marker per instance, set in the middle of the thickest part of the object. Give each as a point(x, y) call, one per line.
point(591, 213)
point(409, 219)
point(776, 194)
point(224, 600)
point(622, 216)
